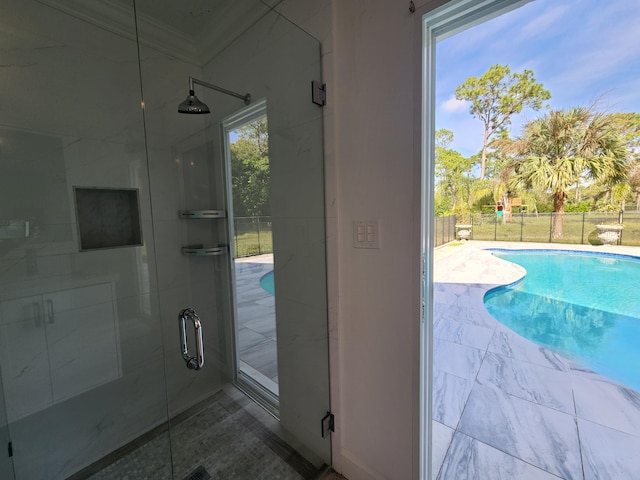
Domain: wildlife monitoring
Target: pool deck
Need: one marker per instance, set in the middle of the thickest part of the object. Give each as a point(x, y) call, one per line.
point(506, 408)
point(256, 321)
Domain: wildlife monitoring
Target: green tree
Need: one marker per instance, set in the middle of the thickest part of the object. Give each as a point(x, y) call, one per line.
point(629, 125)
point(250, 170)
point(496, 96)
point(452, 172)
point(559, 149)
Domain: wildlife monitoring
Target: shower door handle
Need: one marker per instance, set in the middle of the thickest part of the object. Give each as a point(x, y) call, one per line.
point(193, 363)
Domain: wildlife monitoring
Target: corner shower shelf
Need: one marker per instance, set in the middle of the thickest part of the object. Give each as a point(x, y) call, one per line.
point(202, 214)
point(204, 252)
point(199, 250)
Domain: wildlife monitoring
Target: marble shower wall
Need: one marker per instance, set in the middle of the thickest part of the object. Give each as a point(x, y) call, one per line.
point(88, 340)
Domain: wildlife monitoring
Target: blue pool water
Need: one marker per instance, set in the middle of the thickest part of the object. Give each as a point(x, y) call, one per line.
point(585, 306)
point(266, 282)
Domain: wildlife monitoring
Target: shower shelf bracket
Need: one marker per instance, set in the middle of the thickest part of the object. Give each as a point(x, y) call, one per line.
point(202, 214)
point(200, 251)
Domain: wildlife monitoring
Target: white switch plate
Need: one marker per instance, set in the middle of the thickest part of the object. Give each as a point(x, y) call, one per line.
point(366, 234)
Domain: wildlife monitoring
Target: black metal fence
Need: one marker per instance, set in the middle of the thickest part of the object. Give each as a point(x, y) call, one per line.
point(578, 228)
point(252, 236)
point(445, 230)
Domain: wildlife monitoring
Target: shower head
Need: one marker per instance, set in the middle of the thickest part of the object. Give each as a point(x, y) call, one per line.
point(193, 105)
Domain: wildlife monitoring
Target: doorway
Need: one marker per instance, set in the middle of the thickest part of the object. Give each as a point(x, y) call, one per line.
point(436, 25)
point(246, 140)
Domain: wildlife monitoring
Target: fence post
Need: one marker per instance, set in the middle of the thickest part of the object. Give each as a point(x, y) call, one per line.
point(495, 228)
point(550, 226)
point(521, 225)
point(259, 242)
point(235, 235)
point(620, 221)
point(582, 237)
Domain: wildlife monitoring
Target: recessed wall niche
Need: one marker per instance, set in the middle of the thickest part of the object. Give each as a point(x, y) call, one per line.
point(107, 217)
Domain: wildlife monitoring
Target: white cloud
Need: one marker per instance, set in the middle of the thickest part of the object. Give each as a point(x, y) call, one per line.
point(543, 21)
point(453, 105)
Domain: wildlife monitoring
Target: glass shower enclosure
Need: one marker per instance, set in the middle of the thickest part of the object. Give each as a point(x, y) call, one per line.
point(99, 253)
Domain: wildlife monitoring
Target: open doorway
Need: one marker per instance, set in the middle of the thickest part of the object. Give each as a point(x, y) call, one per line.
point(246, 139)
point(496, 388)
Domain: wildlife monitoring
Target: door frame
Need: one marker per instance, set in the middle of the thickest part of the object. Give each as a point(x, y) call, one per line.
point(436, 24)
point(244, 382)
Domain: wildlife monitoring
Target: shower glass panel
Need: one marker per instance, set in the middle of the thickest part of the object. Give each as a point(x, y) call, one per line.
point(81, 347)
point(93, 381)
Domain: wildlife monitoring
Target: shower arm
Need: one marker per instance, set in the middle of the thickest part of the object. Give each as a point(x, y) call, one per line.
point(246, 97)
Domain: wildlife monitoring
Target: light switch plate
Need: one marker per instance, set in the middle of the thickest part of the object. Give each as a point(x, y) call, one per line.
point(366, 234)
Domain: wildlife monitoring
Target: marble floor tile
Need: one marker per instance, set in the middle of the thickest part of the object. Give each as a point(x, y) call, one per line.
point(608, 453)
point(256, 316)
point(474, 314)
point(541, 436)
point(468, 458)
point(507, 343)
point(265, 360)
point(542, 385)
point(456, 359)
point(264, 326)
point(248, 339)
point(463, 333)
point(607, 404)
point(450, 395)
point(441, 437)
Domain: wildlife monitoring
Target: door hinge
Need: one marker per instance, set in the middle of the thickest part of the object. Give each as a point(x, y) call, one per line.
point(319, 93)
point(327, 424)
point(10, 449)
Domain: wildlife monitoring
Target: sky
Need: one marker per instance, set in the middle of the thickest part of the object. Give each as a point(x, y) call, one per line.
point(580, 50)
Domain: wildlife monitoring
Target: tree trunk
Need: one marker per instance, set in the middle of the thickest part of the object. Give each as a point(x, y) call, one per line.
point(483, 163)
point(558, 214)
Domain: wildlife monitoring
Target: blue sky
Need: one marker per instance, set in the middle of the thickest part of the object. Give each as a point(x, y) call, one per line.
point(580, 50)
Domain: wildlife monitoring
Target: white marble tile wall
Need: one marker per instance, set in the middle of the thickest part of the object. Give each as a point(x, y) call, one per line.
point(504, 407)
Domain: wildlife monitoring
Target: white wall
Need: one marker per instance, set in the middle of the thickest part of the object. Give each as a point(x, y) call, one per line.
point(372, 172)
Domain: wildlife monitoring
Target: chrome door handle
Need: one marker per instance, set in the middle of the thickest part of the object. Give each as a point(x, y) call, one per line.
point(193, 363)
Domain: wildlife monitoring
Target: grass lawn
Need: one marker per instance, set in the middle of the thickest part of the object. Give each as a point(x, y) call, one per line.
point(253, 244)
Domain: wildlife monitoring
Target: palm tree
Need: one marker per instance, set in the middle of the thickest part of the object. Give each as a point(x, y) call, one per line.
point(563, 147)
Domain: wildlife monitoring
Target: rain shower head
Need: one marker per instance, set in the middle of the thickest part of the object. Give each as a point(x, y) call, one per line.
point(193, 105)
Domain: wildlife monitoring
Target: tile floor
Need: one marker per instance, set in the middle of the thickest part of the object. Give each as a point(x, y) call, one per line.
point(506, 408)
point(256, 318)
point(232, 438)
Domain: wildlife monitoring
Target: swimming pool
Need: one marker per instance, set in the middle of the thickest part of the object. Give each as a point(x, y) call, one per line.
point(582, 305)
point(267, 283)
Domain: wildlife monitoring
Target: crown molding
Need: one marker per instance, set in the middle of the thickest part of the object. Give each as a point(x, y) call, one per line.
point(114, 16)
